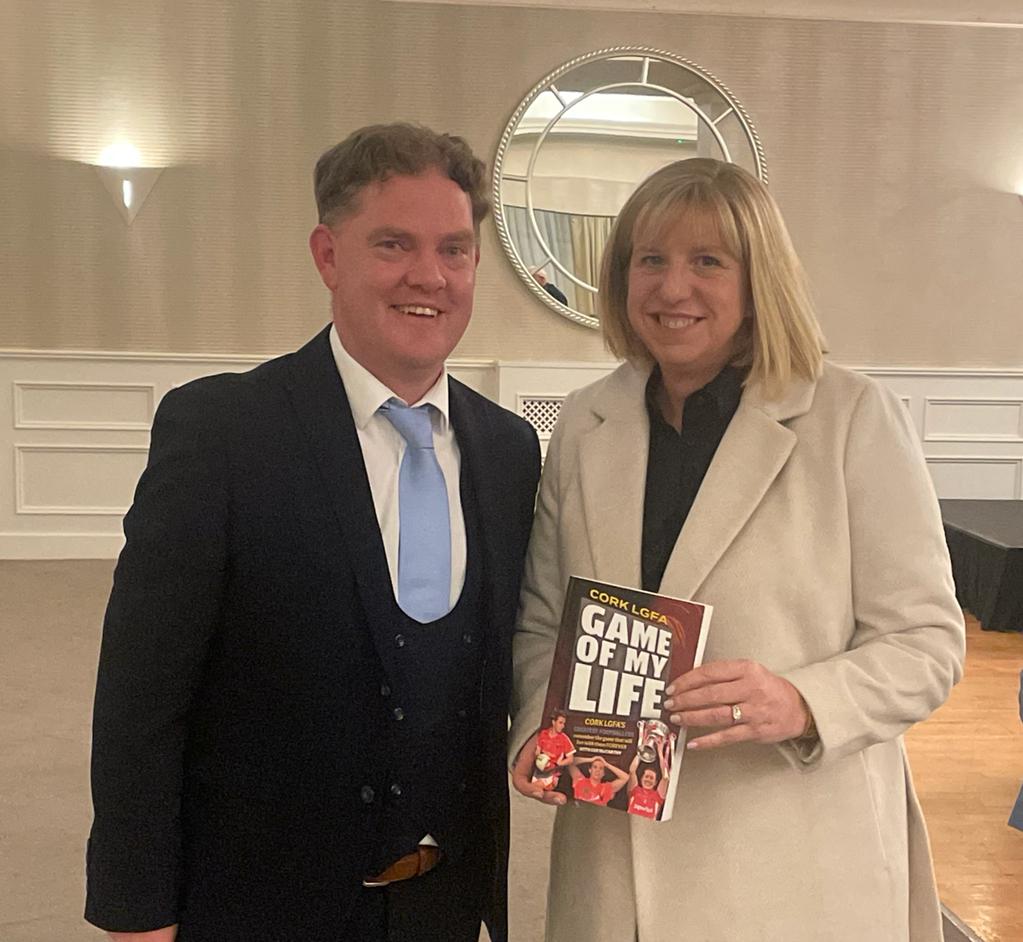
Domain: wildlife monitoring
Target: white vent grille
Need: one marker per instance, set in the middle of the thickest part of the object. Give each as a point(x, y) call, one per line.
point(541, 412)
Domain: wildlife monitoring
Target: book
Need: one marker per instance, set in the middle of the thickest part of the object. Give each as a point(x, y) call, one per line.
point(606, 737)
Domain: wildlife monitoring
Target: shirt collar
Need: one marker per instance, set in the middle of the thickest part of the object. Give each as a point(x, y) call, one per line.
point(366, 394)
point(722, 393)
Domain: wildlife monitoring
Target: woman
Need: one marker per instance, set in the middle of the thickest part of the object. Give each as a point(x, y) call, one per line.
point(726, 462)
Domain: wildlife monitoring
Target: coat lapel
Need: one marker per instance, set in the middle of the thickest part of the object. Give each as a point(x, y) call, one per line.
point(613, 461)
point(322, 409)
point(612, 472)
point(752, 453)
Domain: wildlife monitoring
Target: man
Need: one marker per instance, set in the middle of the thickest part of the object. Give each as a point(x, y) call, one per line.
point(554, 750)
point(540, 275)
point(313, 593)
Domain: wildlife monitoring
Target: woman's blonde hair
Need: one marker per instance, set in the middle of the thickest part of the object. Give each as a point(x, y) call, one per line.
point(779, 337)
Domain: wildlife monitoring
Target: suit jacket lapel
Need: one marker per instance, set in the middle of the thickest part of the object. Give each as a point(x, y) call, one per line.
point(322, 409)
point(752, 452)
point(475, 442)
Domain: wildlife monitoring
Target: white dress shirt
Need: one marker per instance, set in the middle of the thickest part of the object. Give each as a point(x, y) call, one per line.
point(382, 451)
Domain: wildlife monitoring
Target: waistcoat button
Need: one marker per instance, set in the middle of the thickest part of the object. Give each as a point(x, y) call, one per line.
point(398, 713)
point(399, 641)
point(385, 691)
point(396, 790)
point(366, 794)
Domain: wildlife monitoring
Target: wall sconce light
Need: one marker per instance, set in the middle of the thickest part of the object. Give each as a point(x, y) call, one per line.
point(127, 183)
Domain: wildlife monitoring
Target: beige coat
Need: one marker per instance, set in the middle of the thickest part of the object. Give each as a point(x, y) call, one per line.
point(817, 539)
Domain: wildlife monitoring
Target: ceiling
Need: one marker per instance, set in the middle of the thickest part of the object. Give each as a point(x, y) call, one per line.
point(978, 13)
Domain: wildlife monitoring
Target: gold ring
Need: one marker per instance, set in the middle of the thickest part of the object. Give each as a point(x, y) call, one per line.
point(736, 713)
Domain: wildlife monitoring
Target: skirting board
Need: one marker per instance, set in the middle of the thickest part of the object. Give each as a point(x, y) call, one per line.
point(954, 929)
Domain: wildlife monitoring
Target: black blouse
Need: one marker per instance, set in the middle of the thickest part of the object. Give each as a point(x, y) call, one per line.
point(677, 463)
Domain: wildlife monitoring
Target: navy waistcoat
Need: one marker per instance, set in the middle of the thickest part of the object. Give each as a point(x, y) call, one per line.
point(430, 737)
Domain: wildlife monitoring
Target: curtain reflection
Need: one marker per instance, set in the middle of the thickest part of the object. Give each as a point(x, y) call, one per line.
point(589, 235)
point(576, 241)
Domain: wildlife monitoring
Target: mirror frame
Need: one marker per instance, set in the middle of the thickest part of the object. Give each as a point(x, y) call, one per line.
point(549, 83)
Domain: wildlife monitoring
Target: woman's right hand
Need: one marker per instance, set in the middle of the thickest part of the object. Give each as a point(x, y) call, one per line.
point(522, 773)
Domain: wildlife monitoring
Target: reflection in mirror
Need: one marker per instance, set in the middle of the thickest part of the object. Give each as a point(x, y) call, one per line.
point(579, 144)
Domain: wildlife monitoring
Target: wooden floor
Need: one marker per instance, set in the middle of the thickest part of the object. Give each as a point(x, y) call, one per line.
point(967, 764)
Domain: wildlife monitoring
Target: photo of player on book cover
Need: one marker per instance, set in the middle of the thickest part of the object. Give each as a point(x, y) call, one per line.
point(647, 789)
point(593, 787)
point(618, 649)
point(554, 750)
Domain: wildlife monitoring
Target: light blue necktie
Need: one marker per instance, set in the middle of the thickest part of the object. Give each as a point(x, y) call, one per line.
point(424, 524)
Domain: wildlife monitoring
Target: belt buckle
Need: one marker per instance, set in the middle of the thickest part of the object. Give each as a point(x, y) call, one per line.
point(422, 860)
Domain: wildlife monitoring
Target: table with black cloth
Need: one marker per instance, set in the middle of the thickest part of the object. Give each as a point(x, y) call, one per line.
point(985, 541)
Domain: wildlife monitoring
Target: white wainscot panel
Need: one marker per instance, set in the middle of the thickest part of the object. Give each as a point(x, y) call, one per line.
point(536, 390)
point(970, 422)
point(967, 419)
point(519, 381)
point(77, 479)
point(976, 478)
point(74, 430)
point(83, 405)
point(479, 375)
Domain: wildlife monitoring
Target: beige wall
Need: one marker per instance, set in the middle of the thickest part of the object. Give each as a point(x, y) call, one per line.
point(890, 148)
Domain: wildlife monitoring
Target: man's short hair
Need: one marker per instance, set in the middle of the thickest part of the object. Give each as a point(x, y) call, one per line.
point(374, 153)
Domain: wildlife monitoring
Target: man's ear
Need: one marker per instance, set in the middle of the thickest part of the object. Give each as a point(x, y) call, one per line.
point(321, 244)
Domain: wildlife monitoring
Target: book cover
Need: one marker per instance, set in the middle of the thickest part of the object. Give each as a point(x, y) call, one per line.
point(605, 737)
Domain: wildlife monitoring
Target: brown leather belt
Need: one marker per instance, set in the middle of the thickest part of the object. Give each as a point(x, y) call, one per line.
point(422, 860)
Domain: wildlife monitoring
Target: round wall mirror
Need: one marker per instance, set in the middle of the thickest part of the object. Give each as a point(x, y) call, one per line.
point(580, 143)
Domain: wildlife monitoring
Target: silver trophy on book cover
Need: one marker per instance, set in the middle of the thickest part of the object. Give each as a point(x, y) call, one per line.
point(652, 736)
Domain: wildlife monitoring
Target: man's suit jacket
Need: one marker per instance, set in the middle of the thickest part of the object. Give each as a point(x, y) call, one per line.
point(240, 728)
point(816, 537)
point(555, 292)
